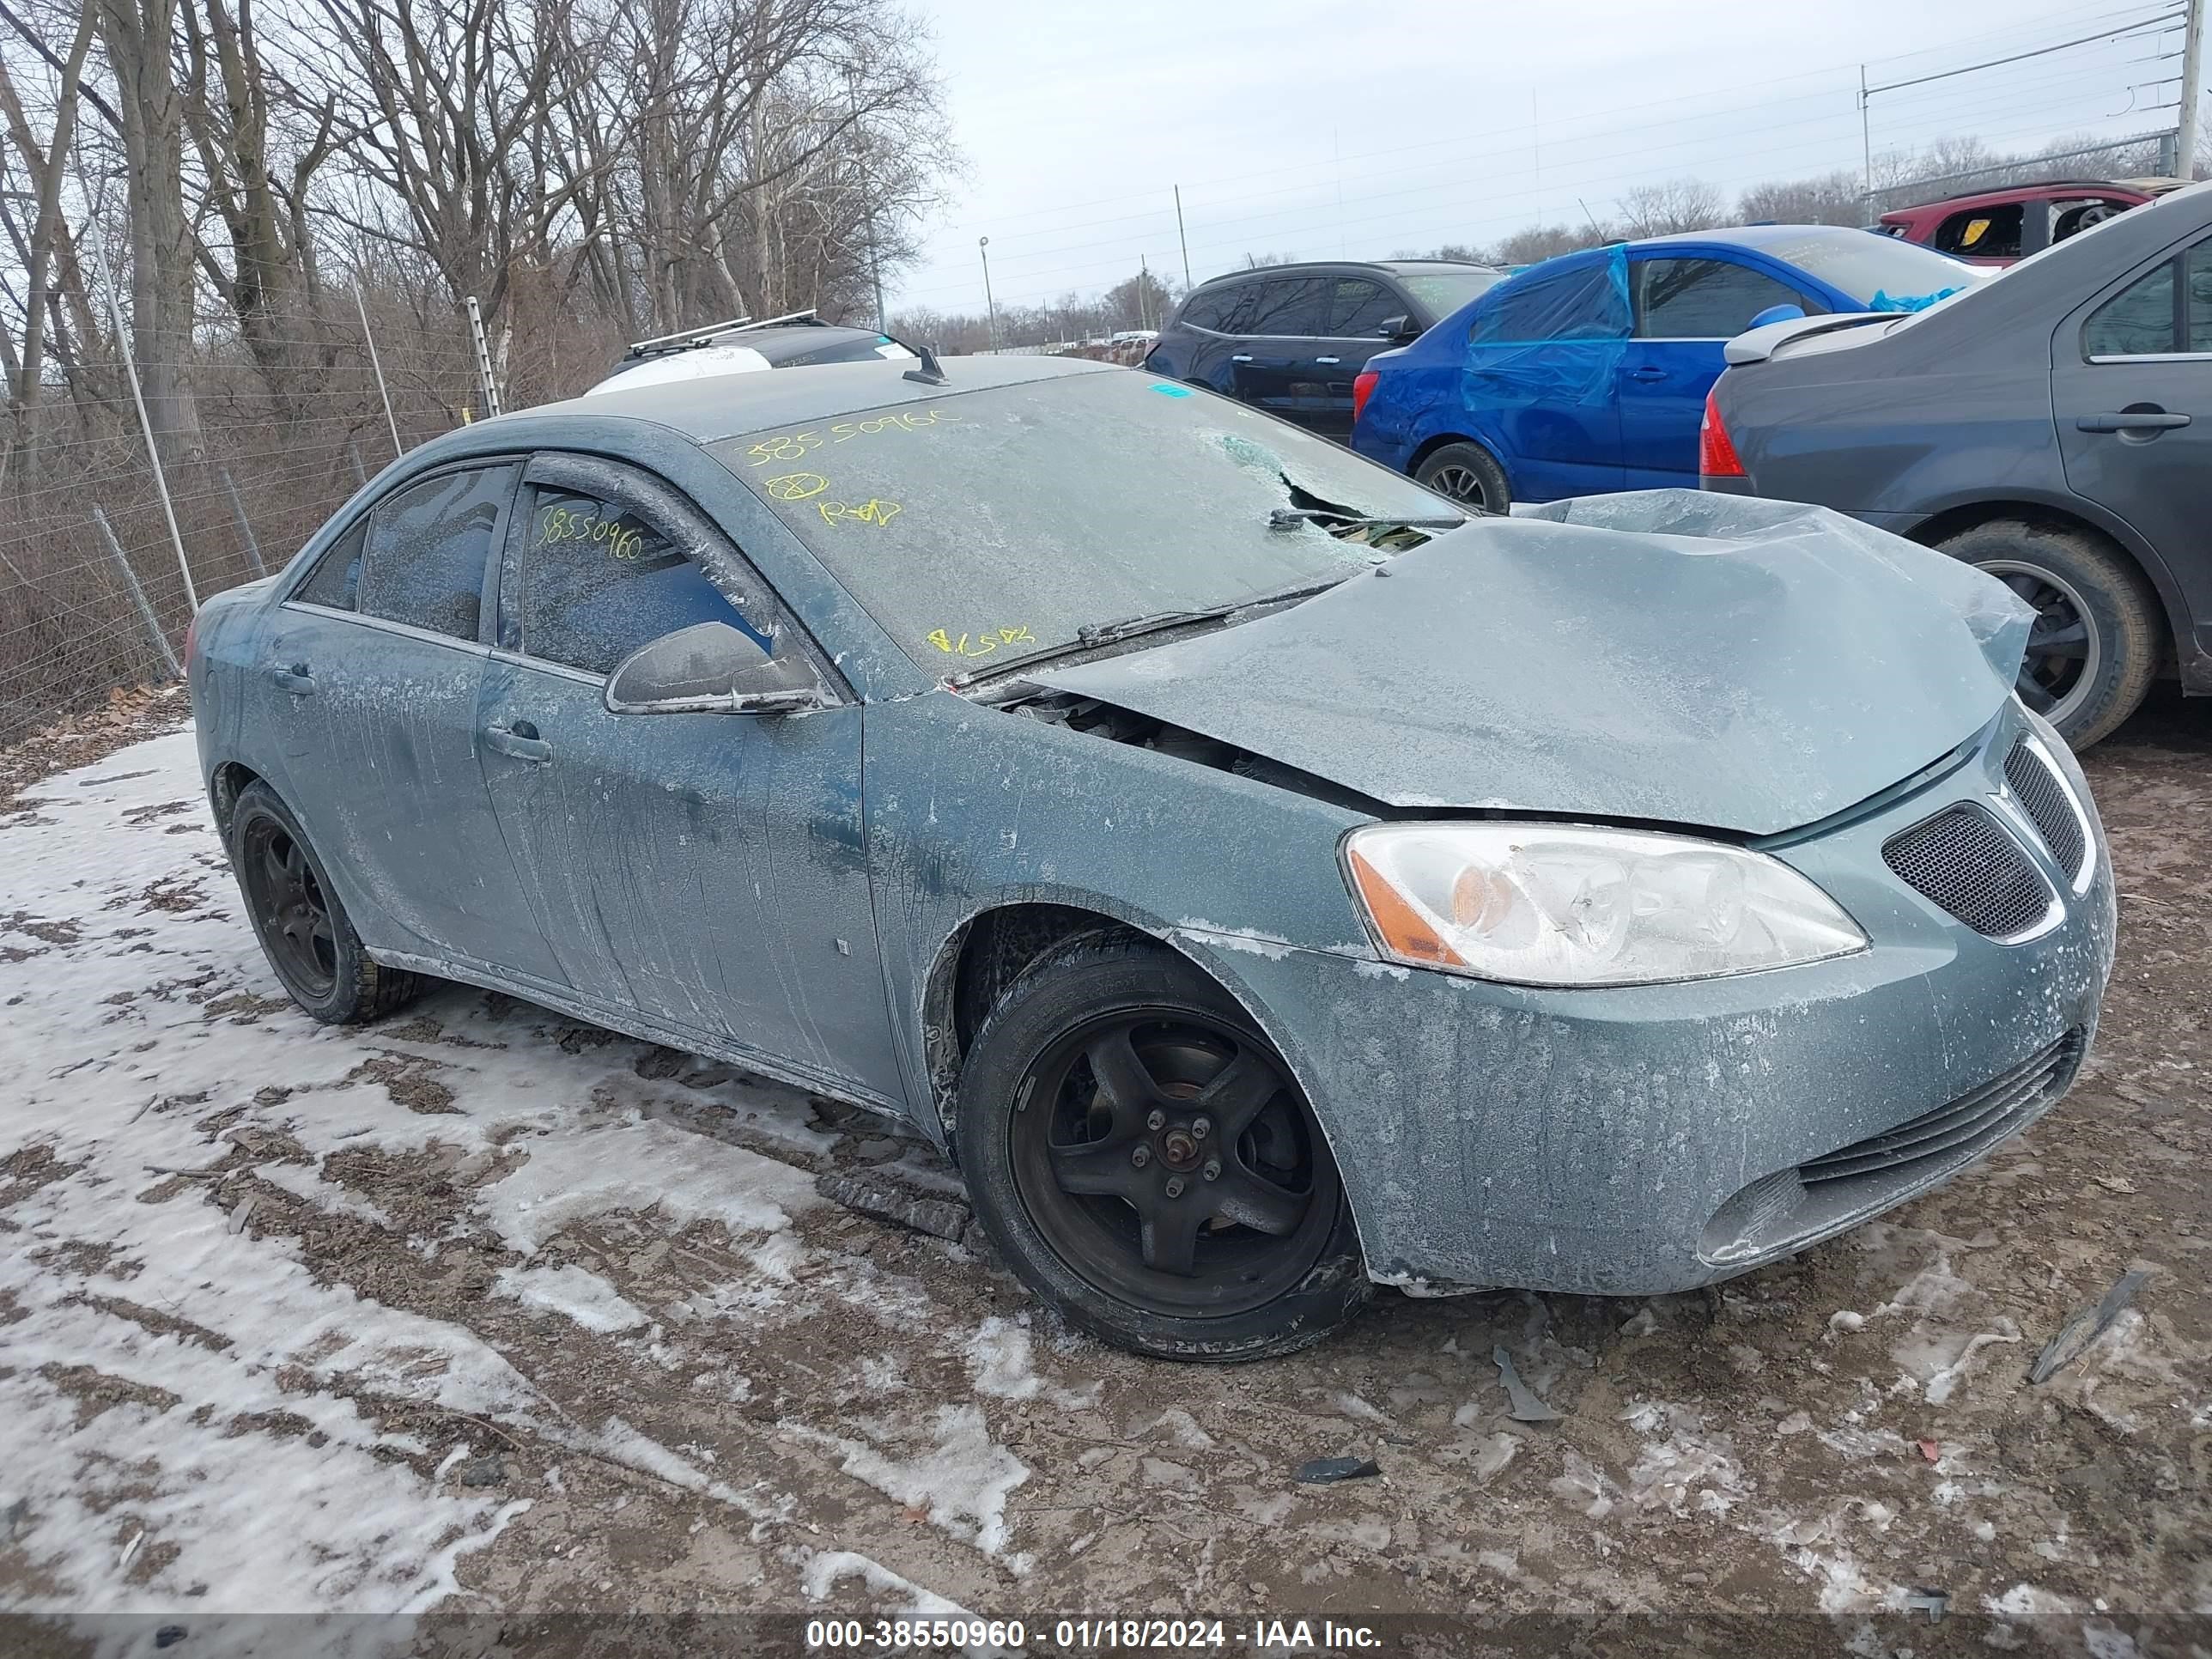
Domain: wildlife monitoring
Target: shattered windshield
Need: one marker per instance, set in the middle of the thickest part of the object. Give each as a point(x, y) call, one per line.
point(998, 522)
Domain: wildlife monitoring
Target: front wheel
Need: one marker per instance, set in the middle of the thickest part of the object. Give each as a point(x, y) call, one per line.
point(1143, 1159)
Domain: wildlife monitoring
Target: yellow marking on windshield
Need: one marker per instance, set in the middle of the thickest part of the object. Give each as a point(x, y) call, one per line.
point(979, 645)
point(868, 512)
point(795, 445)
point(795, 486)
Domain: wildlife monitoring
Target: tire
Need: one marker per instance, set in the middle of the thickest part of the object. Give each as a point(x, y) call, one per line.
point(2098, 626)
point(1031, 1103)
point(1466, 473)
point(303, 929)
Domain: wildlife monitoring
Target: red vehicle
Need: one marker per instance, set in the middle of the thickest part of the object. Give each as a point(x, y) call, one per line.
point(1996, 227)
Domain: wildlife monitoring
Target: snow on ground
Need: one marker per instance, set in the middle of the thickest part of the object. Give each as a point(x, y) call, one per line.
point(192, 1409)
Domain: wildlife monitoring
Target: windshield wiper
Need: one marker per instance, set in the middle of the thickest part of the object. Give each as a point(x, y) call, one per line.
point(1290, 518)
point(1092, 635)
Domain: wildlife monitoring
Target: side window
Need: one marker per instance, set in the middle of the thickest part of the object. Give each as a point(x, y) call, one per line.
point(1580, 304)
point(1705, 299)
point(1213, 308)
point(2198, 263)
point(1289, 305)
point(428, 546)
point(336, 580)
point(2141, 317)
point(1986, 232)
point(598, 582)
point(1360, 307)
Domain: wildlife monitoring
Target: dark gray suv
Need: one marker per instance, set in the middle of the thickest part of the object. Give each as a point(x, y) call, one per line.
point(1292, 339)
point(2053, 427)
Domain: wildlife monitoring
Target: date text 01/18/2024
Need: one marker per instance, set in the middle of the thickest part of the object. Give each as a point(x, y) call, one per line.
point(1074, 1636)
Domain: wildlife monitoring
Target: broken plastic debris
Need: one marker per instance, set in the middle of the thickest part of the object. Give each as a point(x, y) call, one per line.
point(2084, 1327)
point(1325, 1471)
point(939, 1216)
point(1934, 1600)
point(1526, 1408)
point(1930, 1450)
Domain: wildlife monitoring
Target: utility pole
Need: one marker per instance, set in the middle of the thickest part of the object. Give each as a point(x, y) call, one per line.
point(1866, 150)
point(1180, 238)
point(484, 380)
point(990, 306)
point(2192, 95)
point(875, 267)
point(1144, 281)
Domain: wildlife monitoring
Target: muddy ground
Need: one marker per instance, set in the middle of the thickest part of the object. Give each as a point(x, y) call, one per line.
point(821, 1412)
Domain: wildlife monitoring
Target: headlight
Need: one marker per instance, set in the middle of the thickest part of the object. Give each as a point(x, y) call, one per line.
point(1556, 904)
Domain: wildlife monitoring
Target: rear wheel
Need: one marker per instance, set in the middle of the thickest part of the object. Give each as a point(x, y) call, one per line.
point(1143, 1160)
point(302, 927)
point(1467, 472)
point(2094, 646)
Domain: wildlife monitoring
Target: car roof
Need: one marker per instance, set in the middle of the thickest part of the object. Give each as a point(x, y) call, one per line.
point(721, 406)
point(1309, 267)
point(1748, 236)
point(2006, 194)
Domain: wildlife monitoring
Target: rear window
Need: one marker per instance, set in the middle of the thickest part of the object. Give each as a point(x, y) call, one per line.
point(1444, 292)
point(1863, 267)
point(995, 523)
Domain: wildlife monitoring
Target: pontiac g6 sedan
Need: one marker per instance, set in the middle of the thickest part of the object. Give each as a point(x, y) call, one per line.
point(1261, 879)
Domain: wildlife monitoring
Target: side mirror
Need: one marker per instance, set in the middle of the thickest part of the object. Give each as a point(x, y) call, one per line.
point(1781, 313)
point(1398, 329)
point(711, 668)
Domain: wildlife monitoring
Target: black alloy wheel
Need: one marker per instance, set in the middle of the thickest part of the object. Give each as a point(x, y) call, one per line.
point(289, 907)
point(1143, 1157)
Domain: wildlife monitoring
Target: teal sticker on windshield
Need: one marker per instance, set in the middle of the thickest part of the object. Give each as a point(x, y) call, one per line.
point(1166, 389)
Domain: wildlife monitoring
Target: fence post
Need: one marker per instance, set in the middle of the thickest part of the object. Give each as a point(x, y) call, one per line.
point(244, 525)
point(137, 593)
point(153, 449)
point(376, 363)
point(483, 358)
point(353, 453)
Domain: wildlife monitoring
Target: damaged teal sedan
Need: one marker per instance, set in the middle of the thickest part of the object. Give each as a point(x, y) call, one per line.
point(1263, 879)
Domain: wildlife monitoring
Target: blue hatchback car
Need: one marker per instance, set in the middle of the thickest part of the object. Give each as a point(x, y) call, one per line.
point(1589, 372)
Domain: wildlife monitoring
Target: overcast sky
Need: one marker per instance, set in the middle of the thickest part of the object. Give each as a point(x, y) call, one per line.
point(1325, 129)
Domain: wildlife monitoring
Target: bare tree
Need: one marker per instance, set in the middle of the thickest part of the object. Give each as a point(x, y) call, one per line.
point(1669, 210)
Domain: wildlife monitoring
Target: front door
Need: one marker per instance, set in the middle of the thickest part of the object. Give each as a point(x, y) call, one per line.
point(1358, 308)
point(2132, 390)
point(1687, 312)
point(374, 663)
point(707, 870)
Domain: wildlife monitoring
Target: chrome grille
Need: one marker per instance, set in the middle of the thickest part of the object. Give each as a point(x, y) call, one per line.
point(2043, 795)
point(1963, 860)
point(1957, 1130)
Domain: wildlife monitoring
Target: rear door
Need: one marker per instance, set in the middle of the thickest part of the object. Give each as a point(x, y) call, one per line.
point(2132, 390)
point(1203, 342)
point(1687, 309)
point(1278, 366)
point(1358, 308)
point(707, 870)
point(374, 660)
point(1539, 383)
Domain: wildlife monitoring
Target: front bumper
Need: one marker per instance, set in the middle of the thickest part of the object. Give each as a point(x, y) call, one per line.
point(1654, 1138)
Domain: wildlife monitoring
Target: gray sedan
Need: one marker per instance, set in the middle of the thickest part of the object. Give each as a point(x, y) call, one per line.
point(2053, 427)
point(1263, 880)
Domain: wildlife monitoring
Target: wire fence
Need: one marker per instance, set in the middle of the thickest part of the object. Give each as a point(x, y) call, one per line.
point(96, 592)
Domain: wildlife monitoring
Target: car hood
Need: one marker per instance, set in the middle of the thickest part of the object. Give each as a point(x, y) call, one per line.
point(1709, 660)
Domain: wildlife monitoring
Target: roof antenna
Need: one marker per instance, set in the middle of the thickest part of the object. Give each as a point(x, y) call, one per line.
point(929, 374)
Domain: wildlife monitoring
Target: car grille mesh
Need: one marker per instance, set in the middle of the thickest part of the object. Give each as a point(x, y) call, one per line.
point(2050, 806)
point(1957, 1130)
point(1963, 860)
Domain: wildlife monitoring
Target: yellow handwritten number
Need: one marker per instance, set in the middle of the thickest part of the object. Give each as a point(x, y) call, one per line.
point(869, 512)
point(980, 644)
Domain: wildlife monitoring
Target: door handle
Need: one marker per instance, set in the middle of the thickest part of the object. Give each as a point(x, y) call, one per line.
point(520, 740)
point(1647, 373)
point(294, 678)
point(2132, 420)
point(1325, 360)
point(1240, 356)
